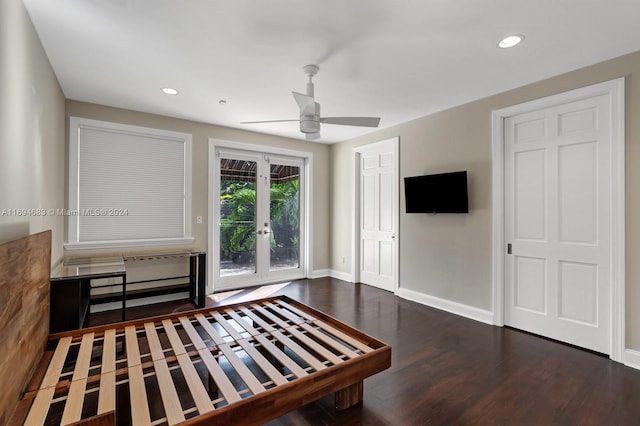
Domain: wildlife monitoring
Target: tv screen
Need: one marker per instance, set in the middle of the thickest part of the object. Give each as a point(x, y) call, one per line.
point(439, 193)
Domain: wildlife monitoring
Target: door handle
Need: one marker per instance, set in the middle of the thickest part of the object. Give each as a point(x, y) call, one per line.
point(509, 248)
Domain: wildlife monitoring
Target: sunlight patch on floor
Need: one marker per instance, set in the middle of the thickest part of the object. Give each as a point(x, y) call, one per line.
point(249, 294)
point(219, 297)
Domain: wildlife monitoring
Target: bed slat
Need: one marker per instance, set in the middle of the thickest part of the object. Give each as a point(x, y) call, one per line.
point(192, 333)
point(52, 376)
point(210, 330)
point(197, 389)
point(107, 395)
point(75, 398)
point(330, 356)
point(81, 370)
point(350, 340)
point(172, 334)
point(242, 322)
point(262, 323)
point(228, 390)
point(263, 363)
point(281, 356)
point(276, 320)
point(222, 381)
point(290, 316)
point(302, 314)
point(247, 376)
point(301, 352)
point(329, 341)
point(168, 393)
point(228, 326)
point(154, 341)
point(139, 406)
point(40, 407)
point(133, 351)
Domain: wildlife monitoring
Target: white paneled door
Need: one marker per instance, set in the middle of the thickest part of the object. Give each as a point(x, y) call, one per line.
point(378, 214)
point(557, 222)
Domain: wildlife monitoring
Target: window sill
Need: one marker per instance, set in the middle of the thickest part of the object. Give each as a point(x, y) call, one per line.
point(90, 245)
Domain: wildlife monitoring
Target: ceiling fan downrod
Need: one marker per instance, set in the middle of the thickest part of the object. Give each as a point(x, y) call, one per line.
point(311, 70)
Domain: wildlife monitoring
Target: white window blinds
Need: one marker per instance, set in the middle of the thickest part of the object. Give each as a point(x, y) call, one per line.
point(129, 186)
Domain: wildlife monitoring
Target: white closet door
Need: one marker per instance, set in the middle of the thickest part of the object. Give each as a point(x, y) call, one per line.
point(378, 210)
point(558, 212)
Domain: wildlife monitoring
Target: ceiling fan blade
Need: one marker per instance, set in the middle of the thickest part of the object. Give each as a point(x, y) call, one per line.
point(267, 121)
point(306, 103)
point(313, 136)
point(352, 121)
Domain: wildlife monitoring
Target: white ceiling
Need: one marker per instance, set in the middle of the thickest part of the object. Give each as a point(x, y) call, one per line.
point(396, 59)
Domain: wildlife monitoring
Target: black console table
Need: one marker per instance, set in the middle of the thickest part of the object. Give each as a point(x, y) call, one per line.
point(71, 288)
point(71, 285)
point(197, 272)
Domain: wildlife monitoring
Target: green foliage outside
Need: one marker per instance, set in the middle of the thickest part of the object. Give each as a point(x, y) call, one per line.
point(237, 219)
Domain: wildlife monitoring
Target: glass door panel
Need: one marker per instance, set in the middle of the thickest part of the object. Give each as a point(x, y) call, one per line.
point(284, 207)
point(238, 214)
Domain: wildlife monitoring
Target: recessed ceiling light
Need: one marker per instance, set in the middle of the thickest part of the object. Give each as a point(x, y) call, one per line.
point(510, 41)
point(169, 91)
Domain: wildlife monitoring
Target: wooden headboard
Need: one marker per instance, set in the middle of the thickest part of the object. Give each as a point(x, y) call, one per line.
point(25, 270)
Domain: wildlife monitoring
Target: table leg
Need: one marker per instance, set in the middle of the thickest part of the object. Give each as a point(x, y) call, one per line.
point(202, 279)
point(124, 297)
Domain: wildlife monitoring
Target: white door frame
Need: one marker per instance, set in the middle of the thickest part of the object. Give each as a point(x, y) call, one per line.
point(355, 209)
point(307, 229)
point(615, 90)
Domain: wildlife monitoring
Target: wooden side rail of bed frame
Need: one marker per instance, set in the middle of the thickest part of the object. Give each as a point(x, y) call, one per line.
point(238, 364)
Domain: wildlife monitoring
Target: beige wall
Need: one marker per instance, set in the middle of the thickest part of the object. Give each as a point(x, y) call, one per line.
point(449, 256)
point(200, 135)
point(32, 144)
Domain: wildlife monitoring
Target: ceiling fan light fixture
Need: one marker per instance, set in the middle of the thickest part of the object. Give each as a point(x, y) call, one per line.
point(169, 91)
point(309, 124)
point(510, 41)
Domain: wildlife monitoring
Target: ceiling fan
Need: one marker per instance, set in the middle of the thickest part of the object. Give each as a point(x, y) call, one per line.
point(310, 112)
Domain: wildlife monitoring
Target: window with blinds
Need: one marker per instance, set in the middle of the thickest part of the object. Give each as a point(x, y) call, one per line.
point(128, 186)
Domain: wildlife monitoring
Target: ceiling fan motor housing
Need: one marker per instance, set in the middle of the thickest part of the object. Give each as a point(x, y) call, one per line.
point(310, 123)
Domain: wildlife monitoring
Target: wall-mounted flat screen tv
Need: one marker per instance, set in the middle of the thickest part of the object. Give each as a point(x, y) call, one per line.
point(438, 193)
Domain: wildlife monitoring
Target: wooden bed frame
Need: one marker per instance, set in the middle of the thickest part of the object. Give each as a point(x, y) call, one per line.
point(238, 364)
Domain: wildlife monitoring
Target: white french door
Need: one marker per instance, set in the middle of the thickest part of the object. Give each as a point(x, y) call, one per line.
point(259, 216)
point(558, 198)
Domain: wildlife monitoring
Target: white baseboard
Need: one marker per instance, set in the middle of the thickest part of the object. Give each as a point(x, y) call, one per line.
point(447, 305)
point(339, 275)
point(632, 358)
point(320, 273)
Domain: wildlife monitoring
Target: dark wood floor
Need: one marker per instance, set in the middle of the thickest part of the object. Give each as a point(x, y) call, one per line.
point(450, 370)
